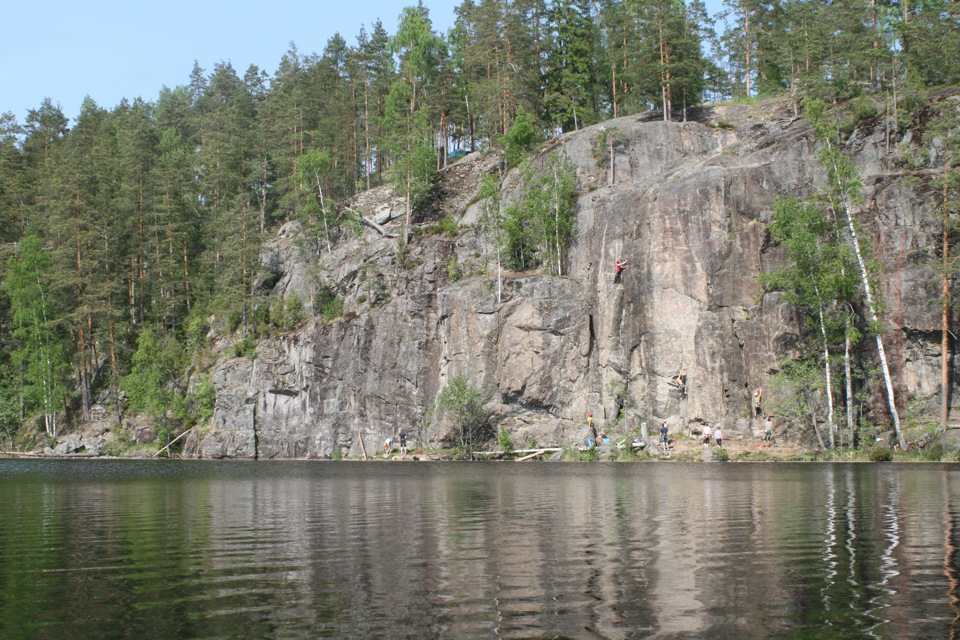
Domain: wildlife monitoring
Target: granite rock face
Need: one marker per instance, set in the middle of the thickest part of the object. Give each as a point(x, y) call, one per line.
point(687, 206)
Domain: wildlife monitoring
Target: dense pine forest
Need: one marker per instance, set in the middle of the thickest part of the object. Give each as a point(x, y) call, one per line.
point(131, 237)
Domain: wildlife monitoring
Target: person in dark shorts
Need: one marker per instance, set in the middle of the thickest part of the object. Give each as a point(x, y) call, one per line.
point(618, 270)
point(664, 436)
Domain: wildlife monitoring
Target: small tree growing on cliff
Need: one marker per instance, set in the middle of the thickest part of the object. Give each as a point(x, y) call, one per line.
point(538, 227)
point(461, 403)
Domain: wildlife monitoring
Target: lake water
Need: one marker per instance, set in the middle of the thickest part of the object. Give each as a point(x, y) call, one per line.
point(188, 549)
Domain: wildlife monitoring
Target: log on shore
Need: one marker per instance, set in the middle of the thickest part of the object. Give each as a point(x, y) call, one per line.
point(523, 452)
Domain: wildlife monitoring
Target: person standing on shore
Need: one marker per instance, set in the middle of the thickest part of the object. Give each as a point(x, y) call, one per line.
point(768, 429)
point(718, 436)
point(403, 441)
point(591, 442)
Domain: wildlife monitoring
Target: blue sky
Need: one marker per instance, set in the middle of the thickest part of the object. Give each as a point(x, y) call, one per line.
point(111, 50)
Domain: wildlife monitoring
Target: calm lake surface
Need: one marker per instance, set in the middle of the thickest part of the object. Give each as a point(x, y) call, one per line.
point(187, 549)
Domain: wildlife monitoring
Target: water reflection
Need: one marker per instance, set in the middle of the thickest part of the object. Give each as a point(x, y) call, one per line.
point(297, 549)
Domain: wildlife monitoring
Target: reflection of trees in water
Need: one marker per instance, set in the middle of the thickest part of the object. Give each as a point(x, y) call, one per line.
point(468, 550)
point(951, 559)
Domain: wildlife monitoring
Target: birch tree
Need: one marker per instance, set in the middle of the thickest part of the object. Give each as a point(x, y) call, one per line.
point(844, 193)
point(40, 352)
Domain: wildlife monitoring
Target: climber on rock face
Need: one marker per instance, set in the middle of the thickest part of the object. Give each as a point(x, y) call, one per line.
point(618, 270)
point(680, 382)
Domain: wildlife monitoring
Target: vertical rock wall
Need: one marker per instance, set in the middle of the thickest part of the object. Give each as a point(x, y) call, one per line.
point(687, 209)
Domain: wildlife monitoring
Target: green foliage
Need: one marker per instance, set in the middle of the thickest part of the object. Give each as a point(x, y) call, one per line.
point(881, 454)
point(520, 139)
point(913, 157)
point(39, 354)
point(798, 387)
point(288, 313)
point(505, 440)
point(152, 383)
point(403, 252)
point(196, 331)
point(453, 268)
point(246, 348)
point(606, 139)
point(461, 404)
point(538, 228)
point(589, 455)
point(447, 226)
point(9, 404)
point(330, 306)
point(197, 406)
point(864, 108)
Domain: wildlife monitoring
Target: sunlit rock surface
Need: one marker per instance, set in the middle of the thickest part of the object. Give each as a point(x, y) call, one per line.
point(687, 208)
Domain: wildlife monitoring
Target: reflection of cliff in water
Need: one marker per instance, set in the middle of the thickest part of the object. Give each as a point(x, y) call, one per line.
point(478, 550)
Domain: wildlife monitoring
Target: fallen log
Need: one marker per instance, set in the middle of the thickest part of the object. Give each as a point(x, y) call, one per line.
point(362, 448)
point(370, 223)
point(173, 441)
point(532, 455)
point(500, 454)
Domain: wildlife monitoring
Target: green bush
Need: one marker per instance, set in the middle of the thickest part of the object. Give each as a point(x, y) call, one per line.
point(864, 108)
point(246, 348)
point(453, 268)
point(330, 306)
point(881, 454)
point(286, 314)
point(520, 139)
point(447, 226)
point(462, 404)
point(505, 440)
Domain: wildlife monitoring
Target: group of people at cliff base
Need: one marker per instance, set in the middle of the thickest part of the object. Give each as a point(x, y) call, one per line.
point(388, 443)
point(595, 437)
point(707, 433)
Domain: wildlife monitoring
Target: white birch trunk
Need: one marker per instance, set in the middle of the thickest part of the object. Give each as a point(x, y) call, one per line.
point(871, 310)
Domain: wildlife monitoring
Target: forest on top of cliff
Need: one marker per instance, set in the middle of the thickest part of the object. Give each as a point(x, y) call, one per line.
point(132, 236)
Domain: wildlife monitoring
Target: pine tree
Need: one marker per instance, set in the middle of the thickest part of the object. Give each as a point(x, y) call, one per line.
point(944, 128)
point(569, 73)
point(407, 116)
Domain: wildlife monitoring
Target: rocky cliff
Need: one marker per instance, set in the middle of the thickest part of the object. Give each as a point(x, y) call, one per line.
point(686, 204)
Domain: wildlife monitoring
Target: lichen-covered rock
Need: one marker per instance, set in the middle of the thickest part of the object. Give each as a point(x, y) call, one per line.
point(687, 206)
